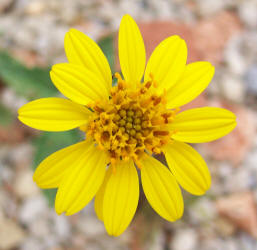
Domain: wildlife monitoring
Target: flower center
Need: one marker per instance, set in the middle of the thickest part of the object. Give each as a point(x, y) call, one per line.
point(131, 122)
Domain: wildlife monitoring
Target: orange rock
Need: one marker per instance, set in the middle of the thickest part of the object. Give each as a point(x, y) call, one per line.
point(211, 35)
point(29, 58)
point(205, 39)
point(16, 133)
point(156, 31)
point(198, 102)
point(240, 209)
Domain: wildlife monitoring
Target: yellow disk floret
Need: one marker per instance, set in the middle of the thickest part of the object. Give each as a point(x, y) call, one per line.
point(131, 122)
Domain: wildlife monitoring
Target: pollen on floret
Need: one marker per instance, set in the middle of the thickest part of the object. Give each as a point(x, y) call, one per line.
point(131, 122)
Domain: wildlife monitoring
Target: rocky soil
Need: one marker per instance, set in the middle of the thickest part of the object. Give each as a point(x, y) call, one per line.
point(220, 31)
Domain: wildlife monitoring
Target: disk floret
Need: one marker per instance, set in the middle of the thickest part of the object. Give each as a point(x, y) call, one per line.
point(131, 122)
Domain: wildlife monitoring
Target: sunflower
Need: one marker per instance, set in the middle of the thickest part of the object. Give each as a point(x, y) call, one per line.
point(125, 125)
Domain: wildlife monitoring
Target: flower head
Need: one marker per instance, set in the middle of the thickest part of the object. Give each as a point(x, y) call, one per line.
point(124, 126)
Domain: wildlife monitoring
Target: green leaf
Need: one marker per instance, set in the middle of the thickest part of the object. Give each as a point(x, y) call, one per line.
point(48, 143)
point(107, 45)
point(6, 116)
point(31, 83)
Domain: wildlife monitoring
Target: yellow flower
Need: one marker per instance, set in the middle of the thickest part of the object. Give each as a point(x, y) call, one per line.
point(124, 126)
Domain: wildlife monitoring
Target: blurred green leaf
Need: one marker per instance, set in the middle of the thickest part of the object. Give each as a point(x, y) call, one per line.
point(48, 143)
point(107, 45)
point(31, 83)
point(6, 116)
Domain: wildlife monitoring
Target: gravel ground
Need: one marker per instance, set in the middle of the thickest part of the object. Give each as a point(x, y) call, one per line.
point(221, 31)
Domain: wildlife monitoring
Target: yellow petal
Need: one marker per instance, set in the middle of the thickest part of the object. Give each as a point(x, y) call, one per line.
point(82, 50)
point(78, 83)
point(81, 182)
point(99, 198)
point(202, 124)
point(193, 82)
point(51, 170)
point(167, 62)
point(53, 114)
point(188, 167)
point(131, 50)
point(120, 198)
point(161, 189)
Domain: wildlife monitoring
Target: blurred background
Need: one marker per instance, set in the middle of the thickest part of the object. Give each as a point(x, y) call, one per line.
point(31, 40)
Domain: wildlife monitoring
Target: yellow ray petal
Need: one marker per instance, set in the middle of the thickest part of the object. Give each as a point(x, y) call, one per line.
point(53, 114)
point(131, 50)
point(51, 170)
point(188, 167)
point(167, 62)
point(80, 183)
point(99, 198)
point(193, 82)
point(120, 198)
point(202, 124)
point(161, 189)
point(78, 83)
point(82, 50)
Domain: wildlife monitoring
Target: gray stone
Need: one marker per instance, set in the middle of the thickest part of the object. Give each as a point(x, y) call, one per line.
point(7, 174)
point(24, 186)
point(8, 206)
point(32, 244)
point(251, 160)
point(21, 155)
point(91, 227)
point(233, 88)
point(251, 80)
point(234, 57)
point(202, 210)
point(246, 242)
point(32, 208)
point(248, 12)
point(212, 244)
point(40, 227)
point(11, 100)
point(238, 180)
point(35, 7)
point(211, 7)
point(61, 226)
point(157, 241)
point(185, 239)
point(231, 244)
point(51, 242)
